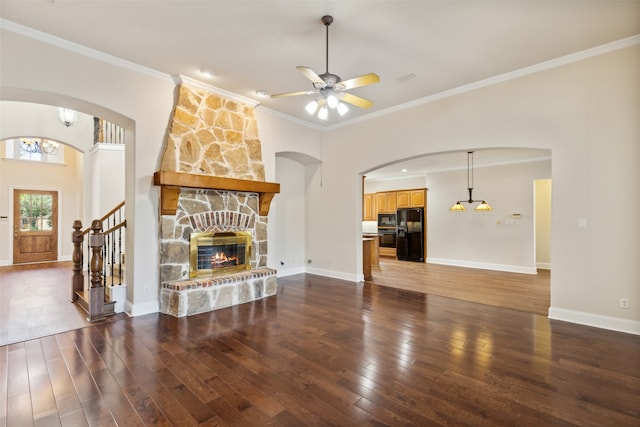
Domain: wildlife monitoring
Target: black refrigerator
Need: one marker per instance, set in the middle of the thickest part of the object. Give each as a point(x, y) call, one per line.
point(410, 234)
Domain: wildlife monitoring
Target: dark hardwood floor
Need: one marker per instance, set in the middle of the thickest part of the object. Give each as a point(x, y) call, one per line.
point(327, 352)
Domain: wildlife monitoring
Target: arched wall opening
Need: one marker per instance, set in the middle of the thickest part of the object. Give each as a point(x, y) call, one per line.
point(502, 239)
point(46, 125)
point(292, 172)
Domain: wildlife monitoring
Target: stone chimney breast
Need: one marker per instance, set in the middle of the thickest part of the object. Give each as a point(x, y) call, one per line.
point(212, 180)
point(212, 135)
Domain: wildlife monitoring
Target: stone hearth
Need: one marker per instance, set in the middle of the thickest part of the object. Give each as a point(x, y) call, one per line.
point(187, 297)
point(212, 180)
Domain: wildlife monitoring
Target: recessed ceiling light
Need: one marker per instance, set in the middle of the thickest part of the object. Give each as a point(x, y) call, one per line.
point(262, 93)
point(404, 170)
point(207, 72)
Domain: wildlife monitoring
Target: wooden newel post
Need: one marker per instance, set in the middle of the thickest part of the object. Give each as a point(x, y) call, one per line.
point(96, 290)
point(77, 280)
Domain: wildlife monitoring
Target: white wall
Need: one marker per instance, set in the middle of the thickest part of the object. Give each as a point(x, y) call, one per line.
point(107, 173)
point(492, 240)
point(20, 119)
point(394, 184)
point(289, 212)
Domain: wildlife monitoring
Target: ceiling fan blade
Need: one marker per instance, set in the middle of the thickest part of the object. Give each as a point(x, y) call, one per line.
point(364, 80)
point(311, 75)
point(304, 92)
point(356, 100)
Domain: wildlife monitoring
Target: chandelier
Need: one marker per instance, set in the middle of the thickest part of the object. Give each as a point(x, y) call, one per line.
point(39, 146)
point(483, 206)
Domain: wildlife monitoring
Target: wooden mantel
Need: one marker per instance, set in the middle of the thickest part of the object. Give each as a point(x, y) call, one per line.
point(171, 182)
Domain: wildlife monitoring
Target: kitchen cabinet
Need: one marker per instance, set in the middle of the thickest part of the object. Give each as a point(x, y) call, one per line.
point(410, 198)
point(390, 252)
point(369, 211)
point(367, 253)
point(386, 202)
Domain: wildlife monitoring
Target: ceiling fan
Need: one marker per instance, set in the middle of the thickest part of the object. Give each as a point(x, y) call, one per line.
point(331, 91)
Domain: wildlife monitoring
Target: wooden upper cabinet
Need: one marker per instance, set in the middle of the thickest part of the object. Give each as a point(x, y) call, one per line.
point(369, 211)
point(411, 198)
point(386, 202)
point(403, 199)
point(418, 199)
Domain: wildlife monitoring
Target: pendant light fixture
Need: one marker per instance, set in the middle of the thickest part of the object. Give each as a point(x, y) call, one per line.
point(67, 116)
point(483, 206)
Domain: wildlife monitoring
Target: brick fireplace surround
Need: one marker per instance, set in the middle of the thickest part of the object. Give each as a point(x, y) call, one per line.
point(212, 180)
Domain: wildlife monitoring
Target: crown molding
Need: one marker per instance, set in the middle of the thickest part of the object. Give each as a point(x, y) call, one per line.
point(511, 75)
point(180, 79)
point(543, 66)
point(80, 49)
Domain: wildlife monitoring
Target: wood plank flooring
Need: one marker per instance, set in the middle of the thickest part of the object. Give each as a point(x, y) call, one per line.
point(35, 301)
point(327, 352)
point(524, 292)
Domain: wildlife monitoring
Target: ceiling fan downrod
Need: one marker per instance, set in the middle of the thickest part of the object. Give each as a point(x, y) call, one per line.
point(327, 20)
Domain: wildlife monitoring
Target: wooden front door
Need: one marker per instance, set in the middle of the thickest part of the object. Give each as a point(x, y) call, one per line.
point(35, 226)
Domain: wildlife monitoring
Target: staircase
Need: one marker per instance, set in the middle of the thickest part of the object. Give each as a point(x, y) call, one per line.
point(96, 290)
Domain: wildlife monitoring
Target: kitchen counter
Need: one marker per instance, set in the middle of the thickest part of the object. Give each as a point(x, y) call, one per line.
point(375, 253)
point(367, 252)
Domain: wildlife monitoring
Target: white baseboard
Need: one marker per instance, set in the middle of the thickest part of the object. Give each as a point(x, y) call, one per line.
point(142, 309)
point(290, 271)
point(333, 274)
point(543, 265)
point(595, 320)
point(484, 266)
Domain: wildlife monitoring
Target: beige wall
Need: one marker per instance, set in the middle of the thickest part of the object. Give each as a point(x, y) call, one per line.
point(65, 178)
point(584, 112)
point(492, 240)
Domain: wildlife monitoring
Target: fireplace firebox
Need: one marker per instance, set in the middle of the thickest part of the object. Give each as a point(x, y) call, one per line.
point(213, 254)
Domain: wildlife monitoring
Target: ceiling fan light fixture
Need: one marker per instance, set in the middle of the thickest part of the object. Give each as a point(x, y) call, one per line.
point(332, 101)
point(342, 109)
point(329, 88)
point(312, 107)
point(323, 114)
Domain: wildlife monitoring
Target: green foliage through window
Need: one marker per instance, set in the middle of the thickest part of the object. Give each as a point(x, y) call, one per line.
point(35, 212)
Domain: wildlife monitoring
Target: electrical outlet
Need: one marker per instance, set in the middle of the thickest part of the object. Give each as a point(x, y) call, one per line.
point(146, 290)
point(624, 303)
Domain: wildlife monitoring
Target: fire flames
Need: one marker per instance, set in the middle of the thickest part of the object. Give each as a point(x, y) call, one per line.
point(220, 259)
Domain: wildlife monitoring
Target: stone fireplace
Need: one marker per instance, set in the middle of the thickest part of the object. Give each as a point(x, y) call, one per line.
point(214, 204)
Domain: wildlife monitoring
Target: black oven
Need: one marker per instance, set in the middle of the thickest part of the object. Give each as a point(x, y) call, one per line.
point(387, 237)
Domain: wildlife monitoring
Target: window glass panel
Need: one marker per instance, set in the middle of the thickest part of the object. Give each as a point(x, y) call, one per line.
point(33, 149)
point(36, 212)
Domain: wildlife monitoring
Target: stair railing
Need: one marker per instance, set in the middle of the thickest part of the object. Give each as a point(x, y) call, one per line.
point(102, 246)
